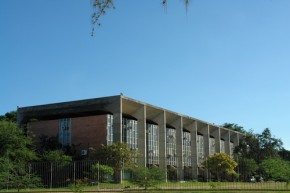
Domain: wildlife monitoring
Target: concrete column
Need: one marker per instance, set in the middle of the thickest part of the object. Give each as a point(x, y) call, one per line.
point(161, 121)
point(206, 135)
point(206, 146)
point(140, 114)
point(217, 137)
point(117, 127)
point(227, 138)
point(234, 137)
point(179, 147)
point(193, 133)
point(116, 109)
point(19, 118)
point(238, 139)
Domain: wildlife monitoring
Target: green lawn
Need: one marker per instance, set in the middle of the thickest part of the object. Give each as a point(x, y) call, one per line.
point(198, 187)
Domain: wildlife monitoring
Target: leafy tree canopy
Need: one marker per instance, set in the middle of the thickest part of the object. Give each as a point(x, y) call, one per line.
point(56, 156)
point(220, 164)
point(234, 127)
point(102, 172)
point(147, 177)
point(10, 116)
point(47, 143)
point(15, 153)
point(259, 146)
point(269, 145)
point(17, 176)
point(247, 168)
point(249, 147)
point(118, 156)
point(276, 169)
point(284, 154)
point(14, 144)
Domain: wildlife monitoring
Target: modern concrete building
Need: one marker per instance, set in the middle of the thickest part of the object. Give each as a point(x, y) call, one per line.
point(164, 138)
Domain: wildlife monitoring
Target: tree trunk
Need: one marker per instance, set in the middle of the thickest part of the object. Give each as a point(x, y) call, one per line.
point(117, 176)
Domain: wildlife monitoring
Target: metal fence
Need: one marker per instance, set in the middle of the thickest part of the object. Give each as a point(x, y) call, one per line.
point(89, 176)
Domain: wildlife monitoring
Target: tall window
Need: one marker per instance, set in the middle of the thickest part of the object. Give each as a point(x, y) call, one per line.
point(130, 132)
point(152, 144)
point(109, 129)
point(186, 148)
point(211, 146)
point(223, 149)
point(232, 149)
point(64, 132)
point(171, 146)
point(200, 148)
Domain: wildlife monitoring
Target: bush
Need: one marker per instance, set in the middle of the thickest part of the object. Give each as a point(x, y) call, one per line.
point(147, 177)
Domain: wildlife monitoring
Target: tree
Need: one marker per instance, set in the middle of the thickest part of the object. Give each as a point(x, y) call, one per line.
point(259, 146)
point(56, 156)
point(101, 6)
point(147, 177)
point(249, 147)
point(47, 143)
point(17, 176)
point(14, 144)
point(102, 172)
point(15, 151)
point(118, 156)
point(234, 127)
point(269, 145)
point(50, 144)
point(10, 116)
point(220, 164)
point(276, 169)
point(284, 154)
point(247, 168)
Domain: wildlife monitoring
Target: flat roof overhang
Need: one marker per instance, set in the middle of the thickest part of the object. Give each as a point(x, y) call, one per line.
point(105, 105)
point(67, 109)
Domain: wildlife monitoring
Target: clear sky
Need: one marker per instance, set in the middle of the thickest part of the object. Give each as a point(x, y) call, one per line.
point(222, 61)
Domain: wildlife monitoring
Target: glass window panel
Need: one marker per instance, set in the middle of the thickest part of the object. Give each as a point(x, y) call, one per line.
point(64, 132)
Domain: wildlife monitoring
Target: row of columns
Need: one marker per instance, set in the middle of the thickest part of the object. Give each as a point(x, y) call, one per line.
point(164, 118)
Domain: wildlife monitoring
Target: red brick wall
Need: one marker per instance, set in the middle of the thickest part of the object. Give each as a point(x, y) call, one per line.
point(39, 128)
point(85, 131)
point(89, 131)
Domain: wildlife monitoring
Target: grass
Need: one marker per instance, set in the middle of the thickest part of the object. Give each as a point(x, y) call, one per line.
point(176, 187)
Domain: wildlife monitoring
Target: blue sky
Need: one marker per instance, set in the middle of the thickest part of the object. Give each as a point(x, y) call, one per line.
point(222, 61)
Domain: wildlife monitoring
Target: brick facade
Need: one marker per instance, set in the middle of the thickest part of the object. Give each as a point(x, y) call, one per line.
point(86, 132)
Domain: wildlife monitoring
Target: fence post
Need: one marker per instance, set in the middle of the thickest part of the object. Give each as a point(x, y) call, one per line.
point(74, 166)
point(98, 175)
point(29, 172)
point(207, 171)
point(50, 175)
